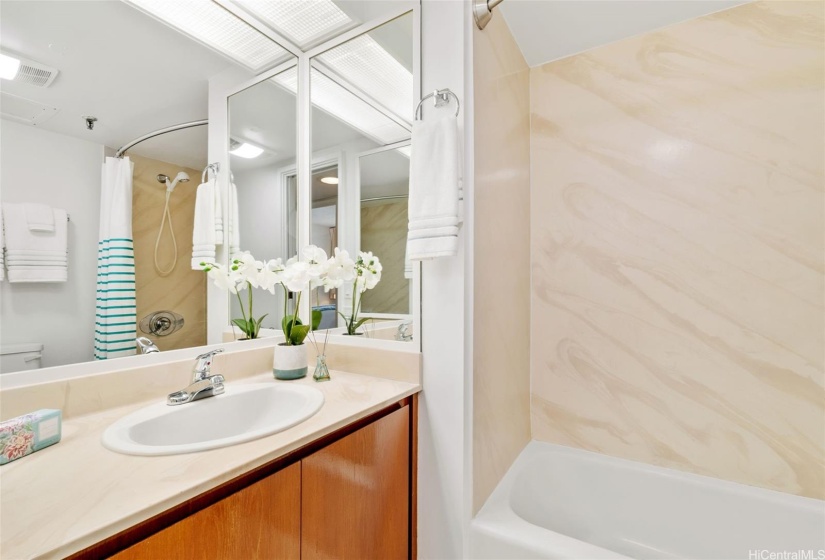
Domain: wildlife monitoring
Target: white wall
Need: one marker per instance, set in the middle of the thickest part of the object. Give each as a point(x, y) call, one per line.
point(63, 172)
point(262, 233)
point(445, 427)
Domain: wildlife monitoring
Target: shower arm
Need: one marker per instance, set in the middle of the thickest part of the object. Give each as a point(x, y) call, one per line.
point(483, 11)
point(160, 131)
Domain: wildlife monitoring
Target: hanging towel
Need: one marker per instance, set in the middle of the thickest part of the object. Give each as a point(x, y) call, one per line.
point(204, 237)
point(234, 225)
point(39, 217)
point(116, 313)
point(33, 255)
point(435, 174)
point(218, 211)
point(2, 248)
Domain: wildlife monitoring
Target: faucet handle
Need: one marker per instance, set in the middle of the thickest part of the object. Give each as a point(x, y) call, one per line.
point(204, 362)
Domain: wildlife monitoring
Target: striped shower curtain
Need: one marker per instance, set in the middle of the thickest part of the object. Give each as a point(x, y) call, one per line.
point(116, 314)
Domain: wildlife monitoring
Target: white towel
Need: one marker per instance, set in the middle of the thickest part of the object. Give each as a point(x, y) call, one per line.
point(218, 210)
point(204, 236)
point(435, 176)
point(35, 256)
point(234, 226)
point(2, 248)
point(39, 217)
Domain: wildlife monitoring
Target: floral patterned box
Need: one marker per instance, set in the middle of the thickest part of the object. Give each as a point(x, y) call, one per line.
point(29, 433)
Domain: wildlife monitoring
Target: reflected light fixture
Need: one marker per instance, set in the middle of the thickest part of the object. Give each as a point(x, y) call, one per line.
point(9, 66)
point(329, 180)
point(244, 149)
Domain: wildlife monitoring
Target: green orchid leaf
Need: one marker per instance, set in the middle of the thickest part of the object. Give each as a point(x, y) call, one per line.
point(243, 325)
point(298, 334)
point(359, 323)
point(316, 319)
point(286, 325)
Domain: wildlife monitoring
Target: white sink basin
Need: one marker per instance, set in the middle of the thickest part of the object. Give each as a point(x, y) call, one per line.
point(242, 413)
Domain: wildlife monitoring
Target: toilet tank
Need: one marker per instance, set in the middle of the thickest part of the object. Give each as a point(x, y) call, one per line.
point(19, 357)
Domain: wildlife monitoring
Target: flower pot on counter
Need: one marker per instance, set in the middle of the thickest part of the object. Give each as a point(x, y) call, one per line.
point(290, 362)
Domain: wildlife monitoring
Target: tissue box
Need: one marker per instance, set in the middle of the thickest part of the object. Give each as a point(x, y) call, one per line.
point(29, 433)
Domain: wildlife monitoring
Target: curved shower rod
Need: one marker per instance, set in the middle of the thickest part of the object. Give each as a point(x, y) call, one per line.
point(160, 131)
point(483, 11)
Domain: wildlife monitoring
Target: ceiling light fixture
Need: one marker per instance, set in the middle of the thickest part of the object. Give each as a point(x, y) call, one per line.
point(245, 150)
point(329, 180)
point(302, 21)
point(217, 28)
point(9, 66)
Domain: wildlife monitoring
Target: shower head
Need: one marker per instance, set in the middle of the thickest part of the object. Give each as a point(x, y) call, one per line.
point(181, 177)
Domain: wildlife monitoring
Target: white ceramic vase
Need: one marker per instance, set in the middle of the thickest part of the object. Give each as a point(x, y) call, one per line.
point(289, 362)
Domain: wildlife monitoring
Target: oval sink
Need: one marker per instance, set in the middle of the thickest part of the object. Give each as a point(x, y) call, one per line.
point(242, 413)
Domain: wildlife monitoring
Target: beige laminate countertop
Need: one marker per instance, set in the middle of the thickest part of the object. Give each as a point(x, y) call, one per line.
point(74, 494)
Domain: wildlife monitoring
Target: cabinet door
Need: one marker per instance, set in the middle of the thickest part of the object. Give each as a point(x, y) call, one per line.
point(355, 494)
point(261, 521)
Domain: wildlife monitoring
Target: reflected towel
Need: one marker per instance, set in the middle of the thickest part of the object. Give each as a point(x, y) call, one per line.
point(435, 175)
point(39, 217)
point(204, 236)
point(234, 226)
point(33, 255)
point(2, 248)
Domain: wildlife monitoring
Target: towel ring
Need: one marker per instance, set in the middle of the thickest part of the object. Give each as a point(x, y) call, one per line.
point(440, 97)
point(215, 167)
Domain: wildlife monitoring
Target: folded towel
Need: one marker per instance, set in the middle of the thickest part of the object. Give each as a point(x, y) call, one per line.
point(35, 256)
point(2, 248)
point(37, 274)
point(219, 225)
point(234, 226)
point(435, 176)
point(203, 233)
point(39, 217)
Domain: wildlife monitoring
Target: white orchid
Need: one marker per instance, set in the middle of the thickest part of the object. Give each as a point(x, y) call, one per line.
point(366, 274)
point(243, 273)
point(368, 269)
point(340, 269)
point(271, 274)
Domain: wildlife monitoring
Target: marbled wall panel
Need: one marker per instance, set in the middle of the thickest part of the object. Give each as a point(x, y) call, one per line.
point(678, 247)
point(501, 255)
point(183, 290)
point(384, 233)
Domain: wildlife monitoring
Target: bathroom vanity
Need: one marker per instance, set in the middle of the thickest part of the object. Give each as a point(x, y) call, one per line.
point(340, 484)
point(346, 495)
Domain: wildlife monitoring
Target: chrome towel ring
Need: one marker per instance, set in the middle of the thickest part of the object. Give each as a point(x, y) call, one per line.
point(440, 97)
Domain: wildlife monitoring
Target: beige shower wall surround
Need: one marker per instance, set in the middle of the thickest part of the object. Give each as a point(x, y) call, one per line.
point(183, 290)
point(677, 247)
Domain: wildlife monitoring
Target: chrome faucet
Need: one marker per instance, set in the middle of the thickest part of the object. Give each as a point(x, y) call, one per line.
point(403, 333)
point(203, 385)
point(146, 346)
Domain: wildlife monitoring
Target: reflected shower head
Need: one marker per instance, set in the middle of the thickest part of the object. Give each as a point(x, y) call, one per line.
point(181, 177)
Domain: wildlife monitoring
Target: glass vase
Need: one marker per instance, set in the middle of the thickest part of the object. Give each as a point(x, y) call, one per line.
point(321, 370)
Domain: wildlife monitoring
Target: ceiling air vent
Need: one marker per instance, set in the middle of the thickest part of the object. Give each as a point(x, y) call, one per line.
point(35, 73)
point(24, 110)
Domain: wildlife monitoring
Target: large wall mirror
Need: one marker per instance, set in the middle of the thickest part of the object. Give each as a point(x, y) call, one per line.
point(136, 67)
point(263, 175)
point(362, 102)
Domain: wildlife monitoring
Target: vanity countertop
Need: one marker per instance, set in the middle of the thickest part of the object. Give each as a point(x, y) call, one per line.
point(69, 496)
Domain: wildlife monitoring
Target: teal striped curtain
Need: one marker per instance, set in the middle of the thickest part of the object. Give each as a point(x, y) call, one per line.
point(116, 313)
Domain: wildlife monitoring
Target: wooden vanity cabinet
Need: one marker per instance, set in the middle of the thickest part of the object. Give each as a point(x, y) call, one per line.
point(349, 495)
point(261, 521)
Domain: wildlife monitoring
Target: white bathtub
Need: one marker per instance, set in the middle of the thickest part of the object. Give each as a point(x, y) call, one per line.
point(558, 502)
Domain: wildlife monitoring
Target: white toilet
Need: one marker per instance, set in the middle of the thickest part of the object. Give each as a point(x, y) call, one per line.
point(19, 357)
